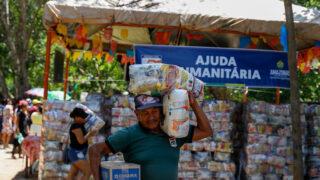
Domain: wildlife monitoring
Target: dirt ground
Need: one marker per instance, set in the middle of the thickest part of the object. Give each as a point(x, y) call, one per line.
point(12, 168)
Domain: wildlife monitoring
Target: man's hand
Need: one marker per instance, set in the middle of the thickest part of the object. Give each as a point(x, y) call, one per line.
point(92, 133)
point(203, 129)
point(192, 99)
point(95, 152)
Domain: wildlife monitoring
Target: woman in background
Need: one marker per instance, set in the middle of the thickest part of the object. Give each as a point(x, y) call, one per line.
point(7, 129)
point(22, 127)
point(79, 145)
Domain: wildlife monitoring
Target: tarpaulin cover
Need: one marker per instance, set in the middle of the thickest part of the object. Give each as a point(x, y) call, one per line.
point(246, 16)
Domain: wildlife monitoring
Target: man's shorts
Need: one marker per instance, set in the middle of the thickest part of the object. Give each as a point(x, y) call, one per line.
point(76, 155)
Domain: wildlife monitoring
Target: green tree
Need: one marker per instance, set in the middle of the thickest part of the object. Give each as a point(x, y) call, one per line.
point(20, 29)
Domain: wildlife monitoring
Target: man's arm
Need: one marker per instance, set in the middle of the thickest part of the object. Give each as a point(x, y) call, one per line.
point(95, 152)
point(203, 128)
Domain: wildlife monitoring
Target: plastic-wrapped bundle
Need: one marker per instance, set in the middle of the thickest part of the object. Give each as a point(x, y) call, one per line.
point(122, 112)
point(186, 175)
point(175, 109)
point(224, 147)
point(218, 106)
point(276, 161)
point(258, 118)
point(221, 126)
point(56, 126)
point(258, 148)
point(256, 176)
point(120, 101)
point(57, 115)
point(189, 166)
point(120, 121)
point(53, 135)
point(257, 107)
point(85, 108)
point(223, 175)
point(223, 136)
point(51, 166)
point(93, 106)
point(51, 145)
point(69, 105)
point(162, 77)
point(257, 159)
point(218, 116)
point(97, 139)
point(257, 138)
point(54, 104)
point(65, 167)
point(93, 123)
point(210, 146)
point(195, 146)
point(202, 156)
point(52, 156)
point(220, 156)
point(146, 77)
point(51, 175)
point(185, 156)
point(221, 166)
point(116, 157)
point(203, 174)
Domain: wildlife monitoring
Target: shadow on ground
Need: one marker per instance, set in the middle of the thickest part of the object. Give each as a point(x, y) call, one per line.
point(21, 176)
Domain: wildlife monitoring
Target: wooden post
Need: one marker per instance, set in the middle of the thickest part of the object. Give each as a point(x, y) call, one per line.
point(294, 94)
point(47, 65)
point(245, 92)
point(278, 96)
point(66, 79)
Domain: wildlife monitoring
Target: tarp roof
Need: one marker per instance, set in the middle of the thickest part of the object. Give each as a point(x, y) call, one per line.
point(251, 17)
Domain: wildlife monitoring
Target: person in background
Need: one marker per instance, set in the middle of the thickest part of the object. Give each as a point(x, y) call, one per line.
point(36, 106)
point(21, 127)
point(1, 110)
point(7, 128)
point(36, 116)
point(79, 145)
point(146, 144)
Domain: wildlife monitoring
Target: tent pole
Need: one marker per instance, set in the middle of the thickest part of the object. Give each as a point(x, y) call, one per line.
point(294, 94)
point(66, 79)
point(245, 92)
point(47, 65)
point(178, 36)
point(278, 96)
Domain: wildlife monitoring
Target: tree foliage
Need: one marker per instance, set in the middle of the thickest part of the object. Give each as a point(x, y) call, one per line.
point(20, 31)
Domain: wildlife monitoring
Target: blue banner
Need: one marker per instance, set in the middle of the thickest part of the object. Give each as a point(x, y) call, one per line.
point(222, 66)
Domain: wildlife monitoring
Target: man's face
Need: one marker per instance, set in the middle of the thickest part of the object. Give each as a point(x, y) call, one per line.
point(150, 117)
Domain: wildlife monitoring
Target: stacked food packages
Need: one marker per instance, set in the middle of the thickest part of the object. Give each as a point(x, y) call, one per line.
point(313, 158)
point(122, 116)
point(145, 78)
point(211, 158)
point(56, 125)
point(269, 141)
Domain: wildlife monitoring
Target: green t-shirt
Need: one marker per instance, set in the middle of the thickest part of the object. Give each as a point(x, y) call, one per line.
point(157, 156)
